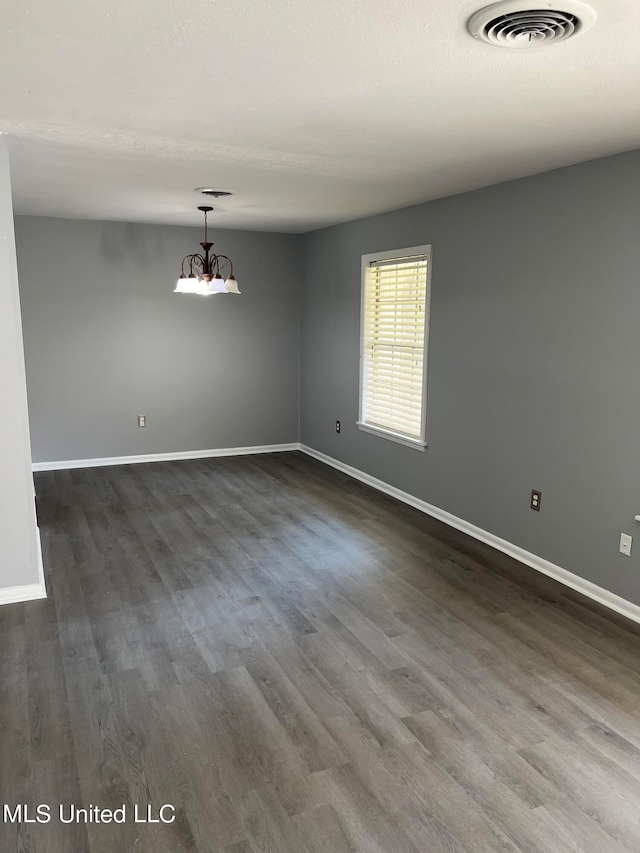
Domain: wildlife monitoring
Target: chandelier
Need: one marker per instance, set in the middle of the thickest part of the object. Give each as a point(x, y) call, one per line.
point(204, 272)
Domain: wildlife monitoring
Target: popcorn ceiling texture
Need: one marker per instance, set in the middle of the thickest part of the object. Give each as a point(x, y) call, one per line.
point(314, 113)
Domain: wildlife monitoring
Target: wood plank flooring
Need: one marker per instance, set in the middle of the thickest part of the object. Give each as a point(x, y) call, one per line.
point(299, 664)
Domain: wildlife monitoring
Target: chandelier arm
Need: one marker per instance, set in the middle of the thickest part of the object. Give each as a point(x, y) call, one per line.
point(228, 260)
point(184, 261)
point(195, 261)
point(214, 264)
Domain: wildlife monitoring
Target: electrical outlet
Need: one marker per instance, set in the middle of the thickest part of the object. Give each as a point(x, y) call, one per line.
point(337, 426)
point(625, 544)
point(142, 420)
point(536, 500)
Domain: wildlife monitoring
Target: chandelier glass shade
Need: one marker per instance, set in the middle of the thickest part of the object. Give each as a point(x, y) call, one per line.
point(204, 274)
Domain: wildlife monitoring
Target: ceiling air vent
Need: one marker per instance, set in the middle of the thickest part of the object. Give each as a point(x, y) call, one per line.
point(515, 23)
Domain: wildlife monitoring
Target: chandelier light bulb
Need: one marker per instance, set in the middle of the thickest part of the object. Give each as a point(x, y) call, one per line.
point(217, 284)
point(231, 284)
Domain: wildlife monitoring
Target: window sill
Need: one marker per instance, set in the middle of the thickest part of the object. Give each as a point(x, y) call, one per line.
point(414, 443)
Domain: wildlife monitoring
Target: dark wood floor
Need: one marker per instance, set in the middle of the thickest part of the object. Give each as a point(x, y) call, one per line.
point(301, 665)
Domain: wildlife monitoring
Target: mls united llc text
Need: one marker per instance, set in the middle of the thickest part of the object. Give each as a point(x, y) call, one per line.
point(70, 813)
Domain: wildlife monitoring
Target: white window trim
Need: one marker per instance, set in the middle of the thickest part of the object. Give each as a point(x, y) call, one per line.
point(382, 432)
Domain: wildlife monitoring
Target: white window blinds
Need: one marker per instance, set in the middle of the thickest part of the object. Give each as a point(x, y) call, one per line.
point(394, 332)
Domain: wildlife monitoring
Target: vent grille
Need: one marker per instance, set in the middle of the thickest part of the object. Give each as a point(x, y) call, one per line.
point(515, 24)
point(528, 27)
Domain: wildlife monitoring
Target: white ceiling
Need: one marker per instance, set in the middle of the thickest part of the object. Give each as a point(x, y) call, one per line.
point(314, 113)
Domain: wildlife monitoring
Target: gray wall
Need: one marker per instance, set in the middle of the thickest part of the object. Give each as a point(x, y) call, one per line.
point(534, 366)
point(18, 544)
point(106, 339)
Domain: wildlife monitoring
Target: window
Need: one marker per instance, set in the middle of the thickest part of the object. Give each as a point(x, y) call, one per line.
point(393, 344)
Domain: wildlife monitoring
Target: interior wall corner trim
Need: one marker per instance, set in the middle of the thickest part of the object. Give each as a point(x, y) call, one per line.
point(63, 465)
point(41, 580)
point(587, 588)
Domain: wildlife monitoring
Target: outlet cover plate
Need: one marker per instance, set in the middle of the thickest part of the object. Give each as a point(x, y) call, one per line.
point(625, 544)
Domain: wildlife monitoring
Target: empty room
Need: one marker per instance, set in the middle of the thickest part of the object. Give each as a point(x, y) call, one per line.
point(319, 448)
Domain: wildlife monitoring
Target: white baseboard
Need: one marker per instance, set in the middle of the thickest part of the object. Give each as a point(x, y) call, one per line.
point(162, 457)
point(591, 590)
point(31, 591)
point(16, 594)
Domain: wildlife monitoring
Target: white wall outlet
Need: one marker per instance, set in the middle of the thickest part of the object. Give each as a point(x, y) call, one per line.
point(625, 544)
point(142, 420)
